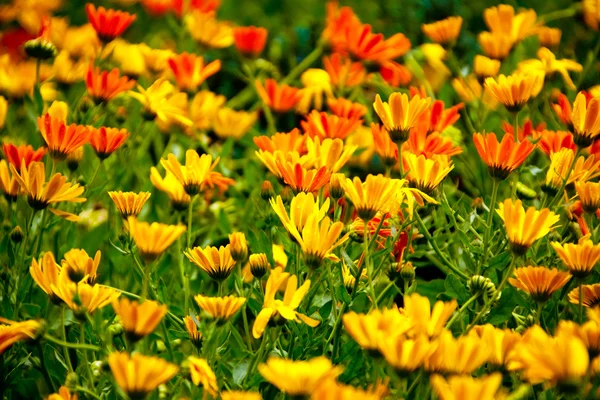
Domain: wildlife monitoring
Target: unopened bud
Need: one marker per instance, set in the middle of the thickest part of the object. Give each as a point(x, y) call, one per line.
point(407, 272)
point(259, 265)
point(481, 285)
point(40, 49)
point(336, 189)
point(239, 246)
point(267, 191)
point(72, 381)
point(16, 235)
point(287, 195)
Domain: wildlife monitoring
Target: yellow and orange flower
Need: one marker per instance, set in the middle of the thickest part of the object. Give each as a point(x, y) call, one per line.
point(385, 147)
point(343, 72)
point(585, 120)
point(580, 258)
point(344, 108)
point(395, 74)
point(129, 204)
point(220, 308)
point(194, 173)
point(400, 114)
point(502, 20)
point(45, 273)
point(250, 40)
point(539, 282)
point(108, 24)
point(106, 141)
point(445, 31)
point(590, 295)
point(551, 142)
point(104, 85)
point(514, 91)
point(138, 375)
point(9, 185)
point(426, 174)
point(79, 266)
point(172, 187)
point(190, 71)
point(60, 138)
point(485, 67)
point(139, 320)
point(589, 194)
point(504, 157)
point(208, 31)
point(12, 332)
point(323, 125)
point(278, 97)
point(495, 45)
point(16, 155)
point(301, 179)
point(153, 239)
point(285, 142)
point(216, 262)
point(365, 45)
point(430, 144)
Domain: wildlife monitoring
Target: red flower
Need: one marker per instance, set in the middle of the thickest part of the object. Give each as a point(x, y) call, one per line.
point(12, 41)
point(527, 130)
point(190, 70)
point(108, 24)
point(280, 98)
point(204, 6)
point(250, 40)
point(395, 74)
point(24, 153)
point(107, 140)
point(104, 86)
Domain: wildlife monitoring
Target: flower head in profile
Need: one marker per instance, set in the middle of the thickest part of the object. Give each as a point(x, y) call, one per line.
point(549, 65)
point(551, 142)
point(193, 174)
point(345, 108)
point(329, 153)
point(539, 282)
point(12, 332)
point(104, 85)
point(204, 108)
point(45, 272)
point(190, 71)
point(231, 123)
point(16, 155)
point(191, 326)
point(502, 20)
point(239, 246)
point(138, 375)
point(298, 378)
point(495, 45)
point(202, 374)
point(301, 179)
point(514, 91)
point(316, 84)
point(343, 72)
point(216, 262)
point(385, 147)
point(208, 31)
point(9, 185)
point(462, 355)
point(426, 174)
point(78, 265)
point(153, 239)
point(395, 74)
point(445, 31)
point(63, 394)
point(278, 97)
point(40, 194)
point(501, 343)
point(580, 258)
point(502, 157)
point(426, 320)
point(83, 298)
point(363, 44)
point(485, 67)
point(400, 114)
point(466, 387)
point(139, 319)
point(591, 14)
point(172, 187)
point(557, 176)
point(302, 206)
point(525, 227)
point(163, 104)
point(369, 330)
point(106, 141)
point(108, 24)
point(376, 194)
point(324, 125)
point(585, 120)
point(590, 295)
point(278, 311)
point(129, 204)
point(589, 194)
point(61, 139)
point(250, 40)
point(220, 308)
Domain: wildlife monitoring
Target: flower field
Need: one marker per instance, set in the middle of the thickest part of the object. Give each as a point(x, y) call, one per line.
point(208, 199)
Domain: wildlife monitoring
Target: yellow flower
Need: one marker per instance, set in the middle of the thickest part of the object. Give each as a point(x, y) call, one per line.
point(153, 239)
point(560, 165)
point(590, 295)
point(9, 185)
point(206, 30)
point(331, 389)
point(589, 194)
point(194, 173)
point(12, 332)
point(128, 57)
point(272, 160)
point(129, 204)
point(588, 332)
point(298, 378)
point(591, 13)
point(68, 71)
point(59, 110)
point(316, 83)
point(156, 60)
point(45, 273)
point(470, 90)
point(83, 298)
point(191, 325)
point(523, 228)
point(282, 309)
point(495, 45)
point(400, 114)
point(171, 186)
point(501, 343)
point(549, 37)
point(461, 355)
point(303, 179)
point(444, 31)
point(539, 282)
point(485, 67)
point(231, 123)
point(503, 21)
point(368, 330)
point(3, 111)
point(16, 78)
point(63, 394)
point(79, 265)
point(548, 64)
point(139, 375)
point(406, 355)
point(329, 153)
point(163, 103)
point(204, 108)
point(40, 193)
point(220, 308)
point(318, 239)
point(562, 359)
point(427, 321)
point(202, 374)
point(580, 258)
point(586, 120)
point(216, 262)
point(239, 395)
point(515, 90)
point(375, 194)
point(301, 207)
point(426, 174)
point(81, 42)
point(239, 246)
point(259, 265)
point(466, 387)
point(139, 320)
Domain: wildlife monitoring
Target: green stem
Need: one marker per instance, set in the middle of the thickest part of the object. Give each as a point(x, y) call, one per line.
point(462, 309)
point(184, 278)
point(304, 64)
point(85, 356)
point(21, 266)
point(88, 392)
point(89, 185)
point(385, 290)
point(64, 344)
point(189, 222)
point(489, 222)
point(581, 301)
point(69, 345)
point(256, 357)
point(560, 14)
point(368, 263)
point(335, 333)
point(271, 126)
point(540, 308)
point(167, 341)
point(145, 282)
point(38, 65)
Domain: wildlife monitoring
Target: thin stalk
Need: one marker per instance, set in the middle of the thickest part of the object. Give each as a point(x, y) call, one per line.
point(184, 278)
point(189, 222)
point(64, 344)
point(462, 309)
point(89, 185)
point(166, 339)
point(304, 64)
point(85, 356)
point(69, 345)
point(256, 357)
point(332, 288)
point(581, 301)
point(369, 267)
point(385, 290)
point(88, 392)
point(540, 308)
point(489, 222)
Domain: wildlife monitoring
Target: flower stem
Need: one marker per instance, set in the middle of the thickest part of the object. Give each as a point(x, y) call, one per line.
point(68, 345)
point(189, 221)
point(368, 263)
point(304, 64)
point(44, 369)
point(462, 309)
point(85, 356)
point(489, 222)
point(581, 301)
point(64, 343)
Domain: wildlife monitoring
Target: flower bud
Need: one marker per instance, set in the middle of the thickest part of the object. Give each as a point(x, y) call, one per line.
point(286, 195)
point(407, 272)
point(259, 265)
point(74, 158)
point(266, 191)
point(481, 285)
point(239, 246)
point(40, 49)
point(16, 235)
point(72, 381)
point(336, 190)
point(160, 346)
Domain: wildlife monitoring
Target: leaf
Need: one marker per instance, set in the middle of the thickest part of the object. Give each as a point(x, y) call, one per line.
point(325, 310)
point(503, 310)
point(431, 289)
point(348, 261)
point(456, 289)
point(342, 294)
point(500, 261)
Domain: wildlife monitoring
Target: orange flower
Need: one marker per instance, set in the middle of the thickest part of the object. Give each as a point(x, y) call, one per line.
point(107, 140)
point(302, 180)
point(337, 22)
point(444, 31)
point(204, 6)
point(525, 131)
point(385, 147)
point(504, 157)
point(280, 98)
point(323, 125)
point(551, 142)
point(343, 72)
point(346, 109)
point(438, 118)
point(285, 142)
point(395, 74)
point(24, 153)
point(104, 86)
point(495, 45)
point(108, 23)
point(60, 138)
point(585, 120)
point(365, 45)
point(563, 110)
point(420, 143)
point(250, 40)
point(190, 70)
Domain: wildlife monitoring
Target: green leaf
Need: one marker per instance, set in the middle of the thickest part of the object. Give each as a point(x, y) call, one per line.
point(500, 261)
point(456, 289)
point(502, 312)
point(325, 309)
point(431, 289)
point(342, 294)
